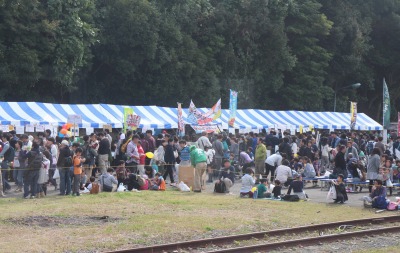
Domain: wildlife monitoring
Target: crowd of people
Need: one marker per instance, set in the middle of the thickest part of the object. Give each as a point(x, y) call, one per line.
point(266, 163)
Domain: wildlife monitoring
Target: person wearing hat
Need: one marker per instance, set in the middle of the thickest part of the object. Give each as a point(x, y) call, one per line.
point(199, 160)
point(65, 178)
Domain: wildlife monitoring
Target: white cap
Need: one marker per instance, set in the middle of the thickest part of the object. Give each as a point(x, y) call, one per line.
point(65, 142)
point(122, 137)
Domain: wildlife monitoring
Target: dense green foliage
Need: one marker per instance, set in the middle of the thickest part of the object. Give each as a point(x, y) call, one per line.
point(279, 54)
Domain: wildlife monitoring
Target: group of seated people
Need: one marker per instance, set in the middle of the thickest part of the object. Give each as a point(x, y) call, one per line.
point(262, 189)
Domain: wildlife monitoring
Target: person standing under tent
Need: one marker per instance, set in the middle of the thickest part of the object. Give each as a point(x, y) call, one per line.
point(260, 156)
point(219, 154)
point(199, 161)
point(203, 141)
point(103, 152)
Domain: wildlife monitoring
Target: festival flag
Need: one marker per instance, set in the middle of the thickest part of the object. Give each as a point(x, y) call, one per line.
point(232, 107)
point(196, 117)
point(386, 106)
point(217, 110)
point(181, 124)
point(131, 121)
point(353, 113)
point(127, 111)
point(398, 124)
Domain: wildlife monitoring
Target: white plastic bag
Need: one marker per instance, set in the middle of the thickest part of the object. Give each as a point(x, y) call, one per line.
point(56, 174)
point(331, 193)
point(121, 188)
point(271, 187)
point(327, 173)
point(389, 183)
point(183, 187)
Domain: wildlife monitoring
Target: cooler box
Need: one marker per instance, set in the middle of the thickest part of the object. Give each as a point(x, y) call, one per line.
point(186, 174)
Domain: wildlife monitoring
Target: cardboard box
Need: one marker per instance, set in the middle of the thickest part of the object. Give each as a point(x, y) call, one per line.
point(186, 174)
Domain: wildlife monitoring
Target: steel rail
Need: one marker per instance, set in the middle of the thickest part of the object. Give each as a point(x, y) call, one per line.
point(308, 241)
point(258, 235)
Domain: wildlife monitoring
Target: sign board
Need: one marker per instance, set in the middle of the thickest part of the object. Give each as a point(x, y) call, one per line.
point(19, 129)
point(74, 119)
point(106, 126)
point(29, 128)
point(4, 128)
point(39, 128)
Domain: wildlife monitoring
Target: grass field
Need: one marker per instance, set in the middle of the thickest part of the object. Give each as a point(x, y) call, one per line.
point(110, 221)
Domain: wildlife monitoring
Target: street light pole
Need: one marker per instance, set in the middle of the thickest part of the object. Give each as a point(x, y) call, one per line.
point(353, 87)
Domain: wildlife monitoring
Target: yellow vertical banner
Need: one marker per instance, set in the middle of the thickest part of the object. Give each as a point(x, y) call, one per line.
point(301, 129)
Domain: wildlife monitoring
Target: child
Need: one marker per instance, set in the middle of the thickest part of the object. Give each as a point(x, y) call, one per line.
point(277, 189)
point(107, 180)
point(158, 183)
point(210, 163)
point(184, 153)
point(145, 186)
point(93, 187)
point(121, 172)
point(78, 160)
point(262, 189)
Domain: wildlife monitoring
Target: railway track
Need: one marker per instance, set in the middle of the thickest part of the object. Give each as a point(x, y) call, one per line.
point(229, 240)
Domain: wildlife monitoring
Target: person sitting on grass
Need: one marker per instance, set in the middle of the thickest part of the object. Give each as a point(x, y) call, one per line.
point(248, 181)
point(227, 175)
point(93, 187)
point(262, 189)
point(283, 173)
point(378, 192)
point(121, 172)
point(107, 180)
point(297, 187)
point(277, 189)
point(158, 183)
point(341, 194)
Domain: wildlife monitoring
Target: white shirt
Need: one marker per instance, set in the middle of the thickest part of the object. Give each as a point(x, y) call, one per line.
point(294, 148)
point(283, 173)
point(325, 150)
point(210, 155)
point(274, 159)
point(247, 183)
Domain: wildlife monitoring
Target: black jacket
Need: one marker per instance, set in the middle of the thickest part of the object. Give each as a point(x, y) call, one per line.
point(64, 152)
point(285, 148)
point(104, 147)
point(169, 157)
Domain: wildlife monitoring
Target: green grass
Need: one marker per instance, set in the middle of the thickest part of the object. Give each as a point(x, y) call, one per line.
point(148, 218)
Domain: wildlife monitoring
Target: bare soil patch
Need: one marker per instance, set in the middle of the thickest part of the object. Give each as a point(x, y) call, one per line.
point(54, 221)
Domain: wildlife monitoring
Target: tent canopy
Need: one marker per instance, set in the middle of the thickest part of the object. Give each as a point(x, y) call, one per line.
point(23, 113)
point(97, 115)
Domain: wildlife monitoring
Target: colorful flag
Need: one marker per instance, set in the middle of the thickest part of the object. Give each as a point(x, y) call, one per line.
point(131, 121)
point(398, 124)
point(386, 106)
point(127, 111)
point(217, 110)
point(196, 117)
point(353, 113)
point(232, 107)
point(181, 124)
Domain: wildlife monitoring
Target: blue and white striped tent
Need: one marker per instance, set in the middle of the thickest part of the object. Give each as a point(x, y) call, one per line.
point(259, 119)
point(97, 115)
point(151, 116)
point(24, 113)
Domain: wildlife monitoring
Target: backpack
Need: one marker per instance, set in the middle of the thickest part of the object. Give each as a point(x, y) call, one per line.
point(220, 187)
point(95, 188)
point(291, 198)
point(68, 161)
point(10, 154)
point(370, 147)
point(36, 162)
point(124, 146)
point(380, 203)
